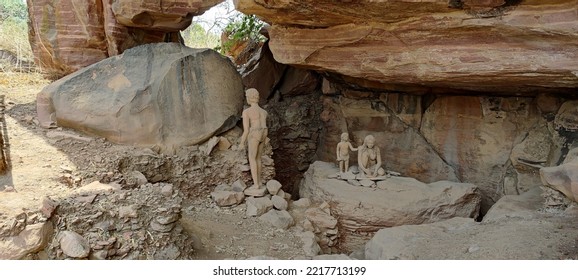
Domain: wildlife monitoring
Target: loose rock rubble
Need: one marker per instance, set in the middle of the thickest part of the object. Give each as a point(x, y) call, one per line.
point(139, 223)
point(317, 228)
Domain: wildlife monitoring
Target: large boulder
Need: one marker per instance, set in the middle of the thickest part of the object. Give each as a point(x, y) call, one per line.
point(263, 73)
point(66, 35)
point(478, 45)
point(164, 95)
point(563, 178)
point(514, 228)
point(395, 201)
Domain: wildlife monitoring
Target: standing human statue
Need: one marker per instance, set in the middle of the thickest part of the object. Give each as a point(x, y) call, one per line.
point(369, 158)
point(343, 148)
point(254, 134)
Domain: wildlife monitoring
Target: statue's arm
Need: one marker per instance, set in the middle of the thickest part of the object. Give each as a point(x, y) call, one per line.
point(264, 122)
point(351, 147)
point(246, 128)
point(378, 154)
point(360, 160)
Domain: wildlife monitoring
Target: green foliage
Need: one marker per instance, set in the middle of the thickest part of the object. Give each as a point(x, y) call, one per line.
point(195, 36)
point(244, 28)
point(13, 9)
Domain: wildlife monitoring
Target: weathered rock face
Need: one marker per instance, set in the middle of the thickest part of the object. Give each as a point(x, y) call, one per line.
point(563, 178)
point(182, 96)
point(513, 229)
point(68, 35)
point(496, 143)
point(403, 148)
point(263, 73)
point(477, 134)
point(508, 47)
point(171, 15)
point(395, 201)
point(294, 127)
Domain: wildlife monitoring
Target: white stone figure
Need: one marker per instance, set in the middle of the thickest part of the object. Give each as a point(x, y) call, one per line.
point(254, 134)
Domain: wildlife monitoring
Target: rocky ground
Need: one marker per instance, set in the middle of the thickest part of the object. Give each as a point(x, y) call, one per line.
point(57, 163)
point(82, 197)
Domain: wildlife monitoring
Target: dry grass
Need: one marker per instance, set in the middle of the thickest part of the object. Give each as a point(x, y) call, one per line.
point(21, 87)
point(14, 38)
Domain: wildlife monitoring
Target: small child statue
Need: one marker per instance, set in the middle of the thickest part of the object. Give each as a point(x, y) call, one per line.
point(343, 148)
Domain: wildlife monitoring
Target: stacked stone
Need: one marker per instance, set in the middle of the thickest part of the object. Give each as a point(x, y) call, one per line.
point(319, 228)
point(269, 203)
point(319, 221)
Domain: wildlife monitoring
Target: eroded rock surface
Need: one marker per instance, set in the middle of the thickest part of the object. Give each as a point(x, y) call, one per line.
point(519, 229)
point(396, 201)
point(171, 15)
point(202, 89)
point(489, 46)
point(68, 35)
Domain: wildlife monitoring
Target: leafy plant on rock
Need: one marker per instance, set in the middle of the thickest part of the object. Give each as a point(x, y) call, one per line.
point(244, 29)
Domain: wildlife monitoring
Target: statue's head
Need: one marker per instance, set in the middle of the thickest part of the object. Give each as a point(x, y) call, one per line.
point(344, 136)
point(252, 95)
point(369, 141)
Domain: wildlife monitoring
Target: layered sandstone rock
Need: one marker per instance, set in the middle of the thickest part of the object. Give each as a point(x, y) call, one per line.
point(395, 201)
point(163, 15)
point(68, 35)
point(505, 47)
point(180, 97)
point(514, 228)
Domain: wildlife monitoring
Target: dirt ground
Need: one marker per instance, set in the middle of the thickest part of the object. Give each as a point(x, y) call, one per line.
point(55, 162)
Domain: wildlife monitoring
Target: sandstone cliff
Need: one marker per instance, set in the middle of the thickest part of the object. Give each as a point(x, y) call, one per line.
point(498, 46)
point(68, 35)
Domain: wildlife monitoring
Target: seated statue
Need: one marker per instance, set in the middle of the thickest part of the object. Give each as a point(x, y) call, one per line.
point(369, 158)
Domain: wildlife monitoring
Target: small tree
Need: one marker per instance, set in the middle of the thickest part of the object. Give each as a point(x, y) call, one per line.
point(243, 29)
point(13, 9)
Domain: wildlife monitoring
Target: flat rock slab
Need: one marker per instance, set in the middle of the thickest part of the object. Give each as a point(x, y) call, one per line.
point(320, 219)
point(125, 98)
point(395, 201)
point(227, 198)
point(96, 187)
point(256, 192)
